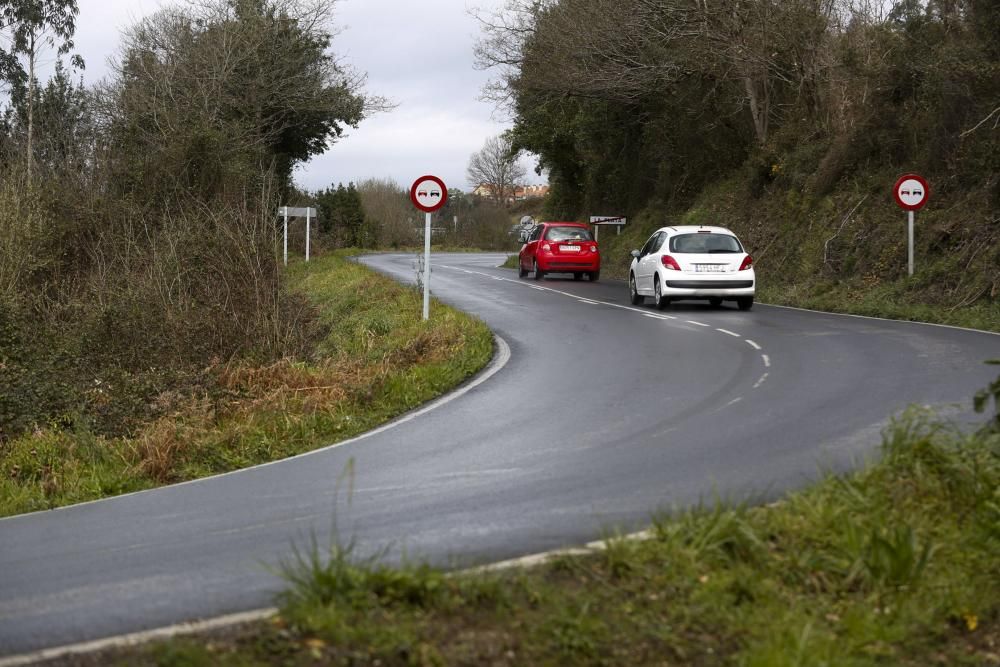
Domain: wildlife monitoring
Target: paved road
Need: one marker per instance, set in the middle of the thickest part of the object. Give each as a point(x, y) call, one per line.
point(603, 414)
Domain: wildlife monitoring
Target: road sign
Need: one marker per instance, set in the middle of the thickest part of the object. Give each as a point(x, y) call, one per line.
point(428, 193)
point(911, 192)
point(608, 220)
point(617, 220)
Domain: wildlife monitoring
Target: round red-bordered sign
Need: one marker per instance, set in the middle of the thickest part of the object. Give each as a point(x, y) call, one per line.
point(428, 193)
point(911, 192)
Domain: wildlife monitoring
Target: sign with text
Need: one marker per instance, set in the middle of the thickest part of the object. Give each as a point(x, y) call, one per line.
point(608, 220)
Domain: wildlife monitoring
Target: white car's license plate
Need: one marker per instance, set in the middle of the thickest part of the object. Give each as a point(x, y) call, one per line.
point(709, 268)
point(570, 248)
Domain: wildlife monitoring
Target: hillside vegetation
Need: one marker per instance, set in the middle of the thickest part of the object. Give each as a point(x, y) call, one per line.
point(138, 230)
point(787, 122)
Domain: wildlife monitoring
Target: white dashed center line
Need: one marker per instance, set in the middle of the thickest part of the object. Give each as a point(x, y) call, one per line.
point(765, 358)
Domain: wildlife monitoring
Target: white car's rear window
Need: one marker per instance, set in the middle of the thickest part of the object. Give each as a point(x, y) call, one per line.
point(703, 243)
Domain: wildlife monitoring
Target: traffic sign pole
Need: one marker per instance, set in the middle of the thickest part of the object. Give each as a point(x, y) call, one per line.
point(909, 235)
point(427, 266)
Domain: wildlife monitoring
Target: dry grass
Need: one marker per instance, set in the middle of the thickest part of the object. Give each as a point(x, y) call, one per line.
point(381, 360)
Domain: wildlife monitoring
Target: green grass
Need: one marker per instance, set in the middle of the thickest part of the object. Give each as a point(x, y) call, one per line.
point(893, 565)
point(892, 301)
point(377, 360)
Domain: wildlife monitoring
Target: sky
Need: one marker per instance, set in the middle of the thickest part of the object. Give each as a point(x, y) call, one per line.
point(417, 54)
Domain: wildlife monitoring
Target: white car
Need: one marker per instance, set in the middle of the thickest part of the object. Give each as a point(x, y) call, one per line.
point(689, 262)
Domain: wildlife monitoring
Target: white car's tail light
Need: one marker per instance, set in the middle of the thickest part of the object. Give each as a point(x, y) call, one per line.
point(747, 263)
point(669, 262)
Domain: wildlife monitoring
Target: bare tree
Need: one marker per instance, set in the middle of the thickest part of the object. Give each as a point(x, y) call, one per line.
point(388, 209)
point(496, 168)
point(219, 86)
point(628, 51)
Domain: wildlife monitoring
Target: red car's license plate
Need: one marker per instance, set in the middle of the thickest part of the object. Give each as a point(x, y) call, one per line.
point(570, 248)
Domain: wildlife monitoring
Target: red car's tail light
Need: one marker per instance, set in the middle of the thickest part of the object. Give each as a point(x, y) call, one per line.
point(747, 263)
point(669, 263)
point(546, 247)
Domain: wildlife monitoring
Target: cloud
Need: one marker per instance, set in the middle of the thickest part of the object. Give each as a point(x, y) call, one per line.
point(417, 54)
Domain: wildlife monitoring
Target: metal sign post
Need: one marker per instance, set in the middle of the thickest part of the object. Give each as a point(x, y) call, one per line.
point(618, 221)
point(428, 193)
point(909, 243)
point(911, 193)
point(292, 212)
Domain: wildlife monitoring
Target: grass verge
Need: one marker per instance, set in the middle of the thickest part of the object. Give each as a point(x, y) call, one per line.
point(896, 564)
point(377, 360)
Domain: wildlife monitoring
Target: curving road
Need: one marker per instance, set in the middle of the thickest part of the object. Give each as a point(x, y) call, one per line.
point(603, 413)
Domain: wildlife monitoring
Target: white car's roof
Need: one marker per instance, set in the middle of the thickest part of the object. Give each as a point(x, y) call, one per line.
point(690, 229)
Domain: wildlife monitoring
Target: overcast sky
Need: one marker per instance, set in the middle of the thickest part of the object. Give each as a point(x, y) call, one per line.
point(418, 54)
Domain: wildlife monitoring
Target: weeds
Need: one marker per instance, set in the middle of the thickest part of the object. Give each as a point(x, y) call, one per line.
point(378, 360)
point(894, 564)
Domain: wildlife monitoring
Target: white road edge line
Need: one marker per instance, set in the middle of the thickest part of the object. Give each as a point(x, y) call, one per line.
point(257, 615)
point(883, 319)
point(767, 360)
point(700, 324)
point(496, 364)
point(501, 359)
point(727, 331)
point(137, 638)
point(753, 344)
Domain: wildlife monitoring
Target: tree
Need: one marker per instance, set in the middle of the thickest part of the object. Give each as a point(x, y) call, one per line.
point(342, 217)
point(221, 90)
point(34, 26)
point(496, 168)
point(389, 212)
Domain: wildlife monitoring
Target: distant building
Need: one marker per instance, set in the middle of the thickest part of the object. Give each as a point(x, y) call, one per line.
point(521, 192)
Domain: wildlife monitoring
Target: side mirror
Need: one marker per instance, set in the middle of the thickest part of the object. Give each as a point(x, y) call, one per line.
point(636, 254)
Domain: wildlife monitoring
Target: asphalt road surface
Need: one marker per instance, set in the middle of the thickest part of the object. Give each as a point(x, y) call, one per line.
point(603, 414)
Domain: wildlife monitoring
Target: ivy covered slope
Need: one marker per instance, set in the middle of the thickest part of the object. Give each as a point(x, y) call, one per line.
point(787, 122)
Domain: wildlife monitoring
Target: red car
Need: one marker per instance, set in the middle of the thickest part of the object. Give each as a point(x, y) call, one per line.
point(560, 247)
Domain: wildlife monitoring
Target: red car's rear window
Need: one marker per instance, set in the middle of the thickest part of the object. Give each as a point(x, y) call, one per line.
point(568, 234)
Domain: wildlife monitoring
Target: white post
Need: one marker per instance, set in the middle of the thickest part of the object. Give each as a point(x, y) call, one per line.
point(286, 237)
point(597, 229)
point(427, 266)
point(909, 235)
point(456, 224)
point(307, 234)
